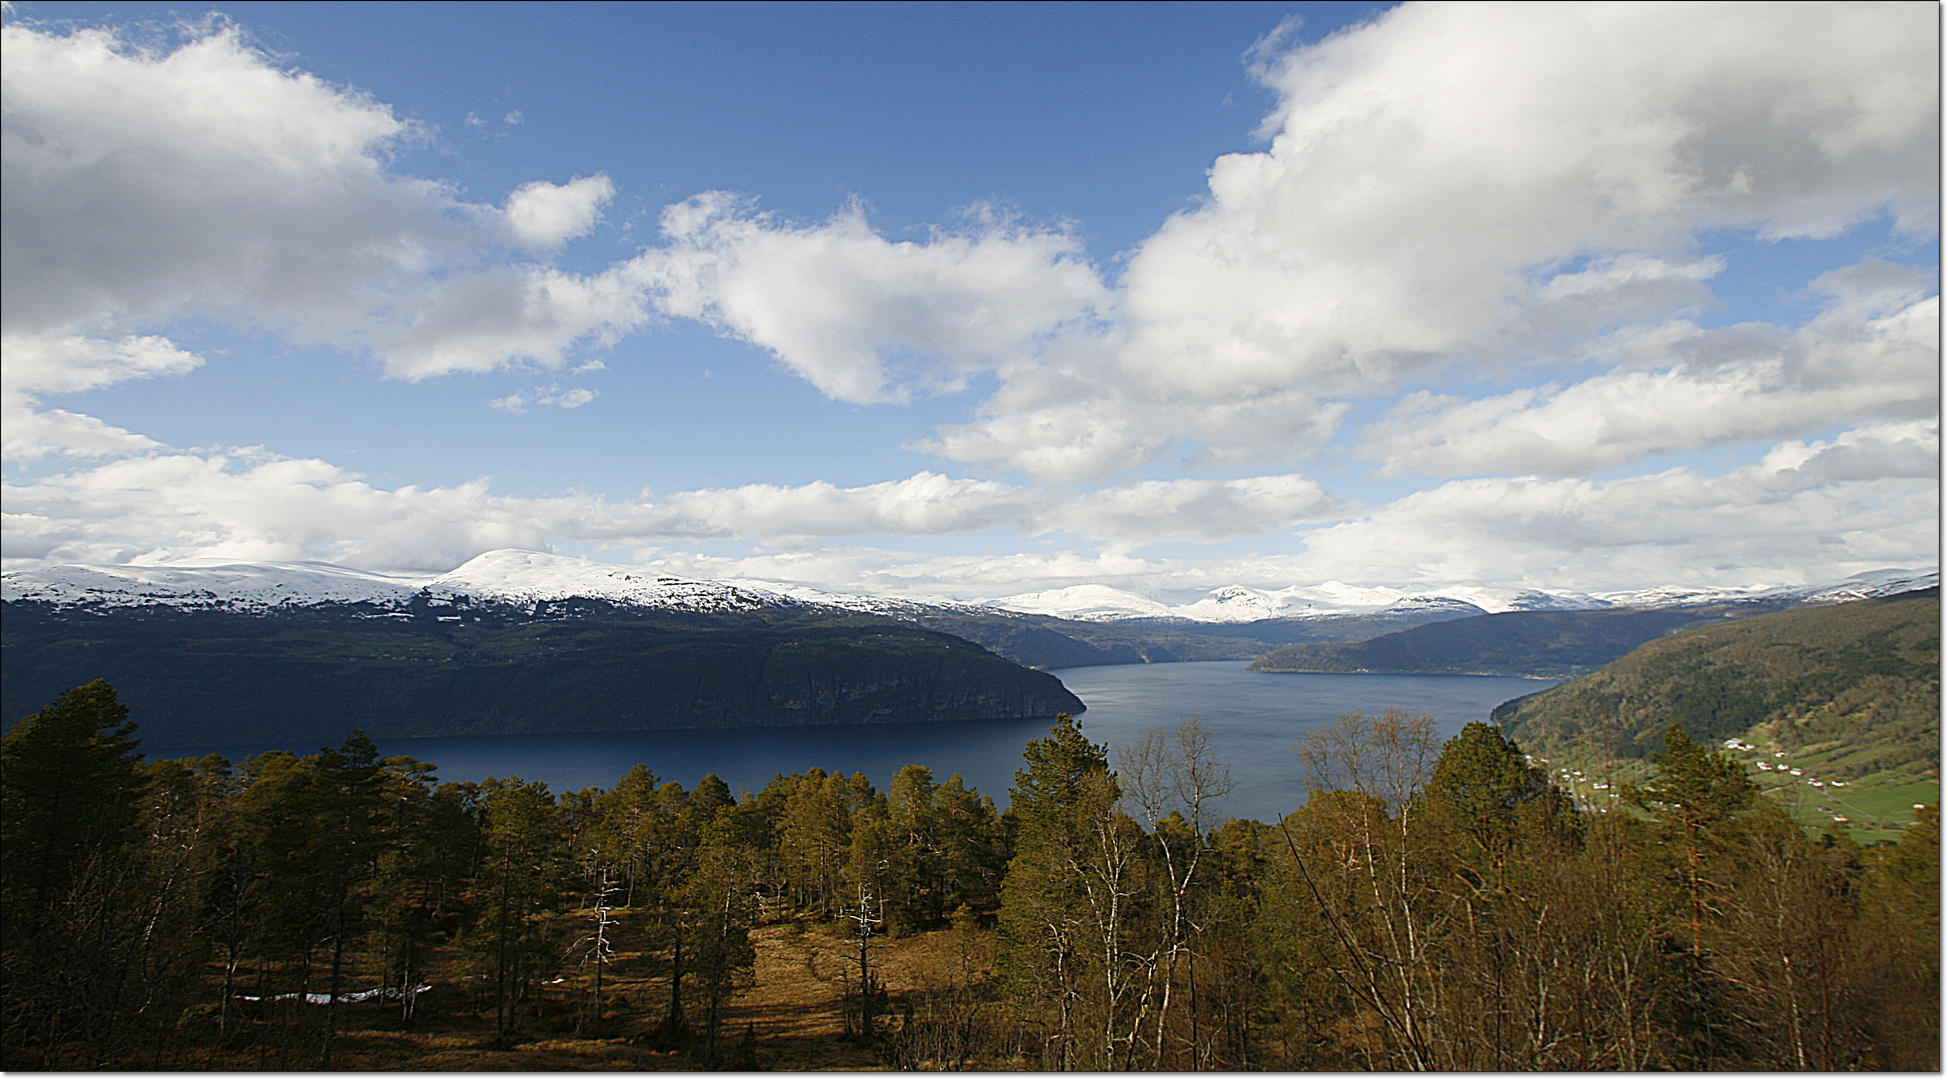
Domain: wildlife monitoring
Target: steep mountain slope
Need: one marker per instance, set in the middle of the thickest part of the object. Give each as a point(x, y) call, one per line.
point(1077, 626)
point(199, 677)
point(1537, 643)
point(1860, 680)
point(542, 585)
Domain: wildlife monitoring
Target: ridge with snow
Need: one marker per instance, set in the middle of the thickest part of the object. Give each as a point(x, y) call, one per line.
point(531, 579)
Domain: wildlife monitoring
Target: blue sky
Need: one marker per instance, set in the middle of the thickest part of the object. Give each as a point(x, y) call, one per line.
point(976, 300)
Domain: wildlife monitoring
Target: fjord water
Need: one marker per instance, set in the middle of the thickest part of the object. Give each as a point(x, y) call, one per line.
point(1256, 721)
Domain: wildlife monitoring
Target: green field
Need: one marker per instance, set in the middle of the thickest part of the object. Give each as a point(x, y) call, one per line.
point(1872, 809)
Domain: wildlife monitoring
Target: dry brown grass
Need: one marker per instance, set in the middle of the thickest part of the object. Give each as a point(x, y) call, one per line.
point(789, 1017)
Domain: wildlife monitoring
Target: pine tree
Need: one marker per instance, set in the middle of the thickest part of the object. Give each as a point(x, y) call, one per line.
point(1695, 793)
point(1046, 921)
point(520, 880)
point(70, 783)
point(70, 788)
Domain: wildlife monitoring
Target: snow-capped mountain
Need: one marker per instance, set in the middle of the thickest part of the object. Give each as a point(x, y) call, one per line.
point(1091, 603)
point(1241, 603)
point(530, 578)
point(235, 586)
point(1862, 586)
point(1875, 583)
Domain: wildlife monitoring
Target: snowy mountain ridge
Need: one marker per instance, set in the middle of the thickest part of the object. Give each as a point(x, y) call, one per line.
point(531, 578)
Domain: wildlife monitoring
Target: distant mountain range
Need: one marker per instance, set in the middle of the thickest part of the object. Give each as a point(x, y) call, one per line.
point(521, 641)
point(536, 580)
point(1546, 644)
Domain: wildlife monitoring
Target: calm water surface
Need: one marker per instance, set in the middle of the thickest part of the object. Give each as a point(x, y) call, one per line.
point(1256, 722)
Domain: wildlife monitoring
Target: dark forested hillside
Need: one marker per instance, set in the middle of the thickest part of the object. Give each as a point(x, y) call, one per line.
point(1862, 679)
point(204, 677)
point(200, 678)
point(1045, 641)
point(1537, 643)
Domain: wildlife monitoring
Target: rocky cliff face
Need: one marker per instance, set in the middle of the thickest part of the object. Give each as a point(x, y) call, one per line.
point(202, 678)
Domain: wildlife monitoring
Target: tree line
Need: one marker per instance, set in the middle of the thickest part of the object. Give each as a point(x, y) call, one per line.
point(1432, 905)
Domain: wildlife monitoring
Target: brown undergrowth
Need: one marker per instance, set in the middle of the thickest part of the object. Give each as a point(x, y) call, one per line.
point(791, 1015)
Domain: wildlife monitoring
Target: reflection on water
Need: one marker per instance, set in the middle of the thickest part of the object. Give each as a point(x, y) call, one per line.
point(1256, 722)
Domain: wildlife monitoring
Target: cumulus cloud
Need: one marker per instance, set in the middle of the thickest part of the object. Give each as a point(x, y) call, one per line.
point(545, 215)
point(864, 318)
point(1474, 185)
point(1152, 511)
point(1041, 427)
point(38, 364)
point(1873, 352)
point(1909, 450)
point(1521, 192)
point(145, 185)
point(926, 504)
point(1865, 499)
point(1433, 174)
point(1490, 186)
point(249, 504)
point(1810, 512)
point(34, 433)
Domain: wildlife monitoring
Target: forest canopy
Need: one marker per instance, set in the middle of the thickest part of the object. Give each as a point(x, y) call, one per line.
point(1432, 906)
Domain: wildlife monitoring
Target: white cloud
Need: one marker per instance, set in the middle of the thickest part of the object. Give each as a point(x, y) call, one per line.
point(1076, 433)
point(1807, 511)
point(39, 364)
point(142, 186)
point(1489, 185)
point(1484, 190)
point(32, 365)
point(1862, 500)
point(1766, 525)
point(248, 504)
point(1153, 511)
point(926, 504)
point(1446, 184)
point(1910, 450)
point(1873, 353)
point(544, 215)
point(518, 402)
point(32, 434)
point(864, 318)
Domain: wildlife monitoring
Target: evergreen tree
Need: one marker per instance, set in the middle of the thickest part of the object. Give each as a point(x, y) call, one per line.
point(71, 786)
point(520, 880)
point(717, 898)
point(1483, 783)
point(1693, 795)
point(1045, 914)
point(1900, 930)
